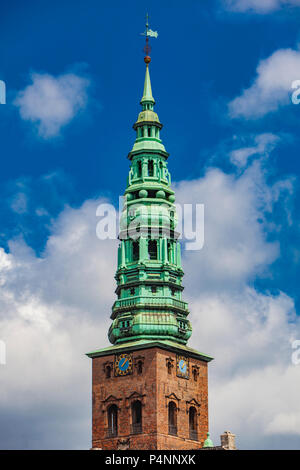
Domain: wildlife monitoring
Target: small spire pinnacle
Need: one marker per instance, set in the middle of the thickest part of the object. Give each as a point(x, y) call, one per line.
point(147, 94)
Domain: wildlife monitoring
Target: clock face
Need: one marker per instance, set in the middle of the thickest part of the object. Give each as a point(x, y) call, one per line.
point(123, 364)
point(182, 367)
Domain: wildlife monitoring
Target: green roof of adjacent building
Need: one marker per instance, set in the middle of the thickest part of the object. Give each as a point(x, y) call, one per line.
point(208, 442)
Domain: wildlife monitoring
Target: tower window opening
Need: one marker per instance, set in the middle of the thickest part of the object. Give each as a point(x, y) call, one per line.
point(149, 131)
point(195, 374)
point(169, 368)
point(150, 168)
point(173, 291)
point(108, 372)
point(132, 291)
point(136, 410)
point(153, 289)
point(172, 418)
point(193, 423)
point(135, 251)
point(139, 169)
point(140, 367)
point(112, 417)
point(125, 324)
point(152, 249)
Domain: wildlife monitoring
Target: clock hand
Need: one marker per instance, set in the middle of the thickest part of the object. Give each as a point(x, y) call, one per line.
point(123, 362)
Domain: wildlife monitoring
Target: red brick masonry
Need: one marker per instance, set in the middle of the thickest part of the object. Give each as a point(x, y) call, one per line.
point(155, 387)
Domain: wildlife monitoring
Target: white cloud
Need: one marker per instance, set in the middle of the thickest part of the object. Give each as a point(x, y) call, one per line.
point(271, 87)
point(236, 244)
point(19, 203)
point(263, 144)
point(253, 383)
point(51, 103)
point(259, 6)
point(53, 309)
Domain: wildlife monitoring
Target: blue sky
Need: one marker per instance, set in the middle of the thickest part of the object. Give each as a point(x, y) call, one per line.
point(203, 58)
point(221, 75)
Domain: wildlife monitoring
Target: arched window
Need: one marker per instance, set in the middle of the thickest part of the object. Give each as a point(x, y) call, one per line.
point(172, 418)
point(108, 372)
point(135, 251)
point(136, 411)
point(140, 367)
point(112, 418)
point(139, 169)
point(193, 423)
point(169, 367)
point(149, 131)
point(152, 249)
point(150, 168)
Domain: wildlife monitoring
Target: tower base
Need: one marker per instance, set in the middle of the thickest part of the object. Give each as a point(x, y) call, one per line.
point(149, 395)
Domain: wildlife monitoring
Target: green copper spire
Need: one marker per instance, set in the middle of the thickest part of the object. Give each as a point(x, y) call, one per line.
point(208, 442)
point(149, 288)
point(147, 98)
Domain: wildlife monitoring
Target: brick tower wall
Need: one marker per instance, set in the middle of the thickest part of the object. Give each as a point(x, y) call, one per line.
point(155, 387)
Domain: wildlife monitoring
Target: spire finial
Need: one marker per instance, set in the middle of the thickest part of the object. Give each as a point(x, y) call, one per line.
point(149, 34)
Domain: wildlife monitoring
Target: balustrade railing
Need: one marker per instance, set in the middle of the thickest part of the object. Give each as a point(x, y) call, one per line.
point(139, 300)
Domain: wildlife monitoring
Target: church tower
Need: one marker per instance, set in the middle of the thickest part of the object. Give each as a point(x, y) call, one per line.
point(149, 388)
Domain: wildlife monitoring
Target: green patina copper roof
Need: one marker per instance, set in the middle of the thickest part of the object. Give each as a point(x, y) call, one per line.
point(147, 115)
point(149, 144)
point(149, 310)
point(147, 95)
point(208, 442)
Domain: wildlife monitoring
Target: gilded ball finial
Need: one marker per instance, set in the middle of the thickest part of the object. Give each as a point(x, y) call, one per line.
point(147, 59)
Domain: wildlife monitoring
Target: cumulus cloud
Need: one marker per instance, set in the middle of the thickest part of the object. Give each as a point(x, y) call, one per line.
point(51, 103)
point(253, 382)
point(259, 6)
point(56, 306)
point(262, 145)
point(271, 88)
point(236, 228)
point(53, 309)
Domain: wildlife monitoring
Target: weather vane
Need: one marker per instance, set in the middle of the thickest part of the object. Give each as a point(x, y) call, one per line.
point(149, 34)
